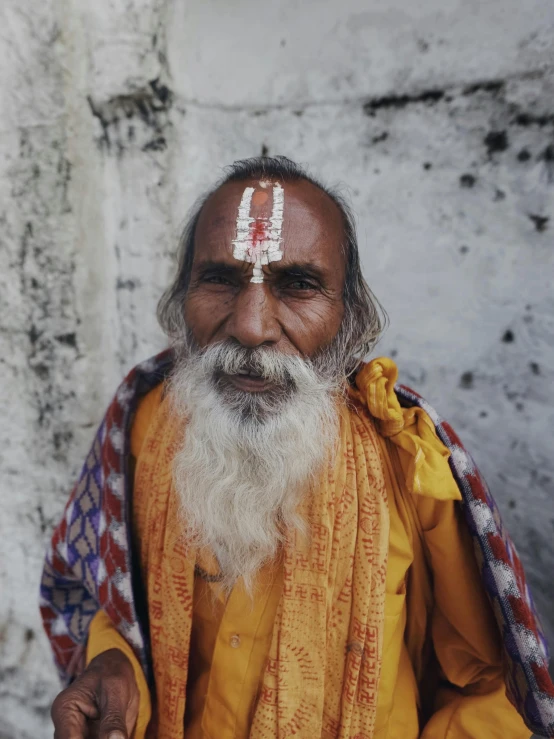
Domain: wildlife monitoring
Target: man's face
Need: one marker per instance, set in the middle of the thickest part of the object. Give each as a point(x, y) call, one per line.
point(261, 421)
point(298, 308)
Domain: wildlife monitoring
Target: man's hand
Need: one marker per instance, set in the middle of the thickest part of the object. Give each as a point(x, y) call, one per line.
point(102, 703)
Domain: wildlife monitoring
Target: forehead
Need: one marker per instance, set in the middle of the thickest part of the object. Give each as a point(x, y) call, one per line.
point(312, 223)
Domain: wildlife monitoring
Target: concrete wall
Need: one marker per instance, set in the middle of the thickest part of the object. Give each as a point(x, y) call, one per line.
point(437, 115)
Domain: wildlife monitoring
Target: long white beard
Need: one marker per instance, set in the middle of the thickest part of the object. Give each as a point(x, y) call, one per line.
point(247, 459)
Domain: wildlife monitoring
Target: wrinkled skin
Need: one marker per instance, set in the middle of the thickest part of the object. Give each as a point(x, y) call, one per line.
point(296, 310)
point(102, 703)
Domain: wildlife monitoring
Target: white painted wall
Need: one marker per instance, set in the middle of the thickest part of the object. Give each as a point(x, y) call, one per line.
point(98, 168)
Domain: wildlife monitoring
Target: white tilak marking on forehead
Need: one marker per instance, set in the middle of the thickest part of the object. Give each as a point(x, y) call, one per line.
point(258, 241)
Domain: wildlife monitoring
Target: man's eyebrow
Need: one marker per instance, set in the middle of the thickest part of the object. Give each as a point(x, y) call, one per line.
point(210, 265)
point(299, 269)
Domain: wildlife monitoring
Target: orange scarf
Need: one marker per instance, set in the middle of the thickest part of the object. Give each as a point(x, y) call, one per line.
point(322, 674)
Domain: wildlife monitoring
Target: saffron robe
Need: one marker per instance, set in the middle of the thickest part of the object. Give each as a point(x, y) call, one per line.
point(230, 642)
point(392, 422)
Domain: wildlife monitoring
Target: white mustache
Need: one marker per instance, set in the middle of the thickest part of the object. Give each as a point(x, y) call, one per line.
point(228, 358)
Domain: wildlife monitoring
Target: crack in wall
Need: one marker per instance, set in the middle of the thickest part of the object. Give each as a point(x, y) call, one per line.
point(392, 99)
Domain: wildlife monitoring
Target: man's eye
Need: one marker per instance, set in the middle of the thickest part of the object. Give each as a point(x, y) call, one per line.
point(216, 280)
point(300, 285)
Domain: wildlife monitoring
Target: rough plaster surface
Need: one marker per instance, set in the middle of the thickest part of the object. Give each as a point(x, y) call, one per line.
point(439, 116)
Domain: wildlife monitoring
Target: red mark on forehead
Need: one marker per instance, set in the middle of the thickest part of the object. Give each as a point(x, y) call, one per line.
point(258, 232)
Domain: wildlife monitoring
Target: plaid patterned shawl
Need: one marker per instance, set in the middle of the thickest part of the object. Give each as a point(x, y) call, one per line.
point(88, 565)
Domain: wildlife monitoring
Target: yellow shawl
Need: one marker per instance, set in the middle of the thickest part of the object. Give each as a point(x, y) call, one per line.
point(344, 689)
point(322, 674)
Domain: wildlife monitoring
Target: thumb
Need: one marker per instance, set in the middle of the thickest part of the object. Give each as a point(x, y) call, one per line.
point(112, 727)
point(113, 711)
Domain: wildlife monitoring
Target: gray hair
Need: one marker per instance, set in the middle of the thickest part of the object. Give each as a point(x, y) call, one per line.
point(364, 318)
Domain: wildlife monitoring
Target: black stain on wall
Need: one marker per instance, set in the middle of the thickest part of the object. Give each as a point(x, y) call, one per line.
point(525, 119)
point(380, 137)
point(62, 439)
point(492, 87)
point(467, 180)
point(69, 339)
point(148, 106)
point(466, 380)
point(34, 334)
point(540, 222)
point(428, 97)
point(496, 142)
point(45, 272)
point(157, 144)
point(127, 284)
point(43, 523)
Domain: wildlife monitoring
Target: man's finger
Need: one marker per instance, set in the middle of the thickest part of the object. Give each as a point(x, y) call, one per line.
point(69, 721)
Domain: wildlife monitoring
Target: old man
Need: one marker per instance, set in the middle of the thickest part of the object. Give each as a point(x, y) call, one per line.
point(270, 538)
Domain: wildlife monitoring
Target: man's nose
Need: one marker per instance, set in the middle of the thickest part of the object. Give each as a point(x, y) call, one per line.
point(253, 321)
